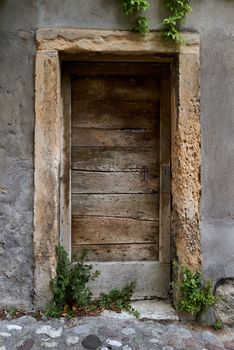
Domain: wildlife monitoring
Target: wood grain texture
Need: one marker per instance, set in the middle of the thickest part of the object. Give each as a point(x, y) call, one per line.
point(103, 230)
point(115, 114)
point(133, 89)
point(115, 163)
point(65, 166)
point(140, 69)
point(165, 170)
point(112, 159)
point(114, 182)
point(118, 252)
point(86, 137)
point(138, 206)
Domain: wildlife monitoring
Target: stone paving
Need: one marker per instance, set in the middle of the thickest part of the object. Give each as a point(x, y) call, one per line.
point(112, 331)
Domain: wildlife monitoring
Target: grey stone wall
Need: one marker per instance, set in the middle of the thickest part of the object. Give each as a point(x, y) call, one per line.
point(213, 19)
point(17, 26)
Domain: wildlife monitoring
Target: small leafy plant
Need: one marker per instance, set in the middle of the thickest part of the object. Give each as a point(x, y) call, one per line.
point(141, 25)
point(69, 289)
point(137, 7)
point(118, 300)
point(12, 311)
point(196, 296)
point(178, 10)
point(218, 325)
point(132, 6)
point(72, 297)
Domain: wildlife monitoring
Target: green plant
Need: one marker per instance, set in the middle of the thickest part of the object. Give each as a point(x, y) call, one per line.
point(132, 6)
point(69, 286)
point(71, 296)
point(178, 9)
point(136, 7)
point(12, 311)
point(141, 25)
point(218, 325)
point(196, 296)
point(118, 300)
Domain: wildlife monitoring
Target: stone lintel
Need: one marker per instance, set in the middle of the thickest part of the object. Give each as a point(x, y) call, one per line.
point(69, 40)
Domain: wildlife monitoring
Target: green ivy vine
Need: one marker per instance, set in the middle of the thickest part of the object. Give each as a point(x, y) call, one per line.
point(177, 8)
point(137, 7)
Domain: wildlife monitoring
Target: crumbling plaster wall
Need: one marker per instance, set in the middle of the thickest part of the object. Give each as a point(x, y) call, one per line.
point(18, 22)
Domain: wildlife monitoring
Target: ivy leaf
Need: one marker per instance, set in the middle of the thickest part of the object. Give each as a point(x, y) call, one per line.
point(133, 6)
point(178, 9)
point(141, 25)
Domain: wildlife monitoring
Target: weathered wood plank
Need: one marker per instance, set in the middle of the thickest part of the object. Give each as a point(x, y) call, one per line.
point(88, 69)
point(165, 170)
point(138, 206)
point(65, 166)
point(113, 138)
point(118, 252)
point(112, 159)
point(103, 230)
point(134, 89)
point(115, 114)
point(114, 182)
point(153, 278)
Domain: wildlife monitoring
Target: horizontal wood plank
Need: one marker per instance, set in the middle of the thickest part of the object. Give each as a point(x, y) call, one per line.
point(115, 114)
point(102, 230)
point(88, 69)
point(118, 252)
point(138, 206)
point(133, 89)
point(114, 182)
point(112, 159)
point(113, 138)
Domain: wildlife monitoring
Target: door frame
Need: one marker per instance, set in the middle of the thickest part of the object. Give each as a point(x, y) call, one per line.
point(179, 220)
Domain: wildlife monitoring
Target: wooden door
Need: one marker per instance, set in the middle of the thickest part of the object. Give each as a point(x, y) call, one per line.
point(115, 174)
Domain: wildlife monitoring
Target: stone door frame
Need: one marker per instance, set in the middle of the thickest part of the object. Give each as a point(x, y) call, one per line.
point(55, 45)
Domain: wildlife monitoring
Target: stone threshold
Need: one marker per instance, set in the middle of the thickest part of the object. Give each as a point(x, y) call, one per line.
point(154, 310)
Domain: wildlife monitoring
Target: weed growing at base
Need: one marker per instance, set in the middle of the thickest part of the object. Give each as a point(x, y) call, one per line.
point(196, 296)
point(72, 297)
point(218, 325)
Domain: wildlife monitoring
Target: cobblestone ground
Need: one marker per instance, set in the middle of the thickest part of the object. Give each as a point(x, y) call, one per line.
point(109, 332)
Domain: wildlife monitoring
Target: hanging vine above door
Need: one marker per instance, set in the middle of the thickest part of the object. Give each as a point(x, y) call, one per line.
point(177, 8)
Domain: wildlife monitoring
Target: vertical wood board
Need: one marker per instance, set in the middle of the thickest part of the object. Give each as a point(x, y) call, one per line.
point(165, 170)
point(65, 167)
